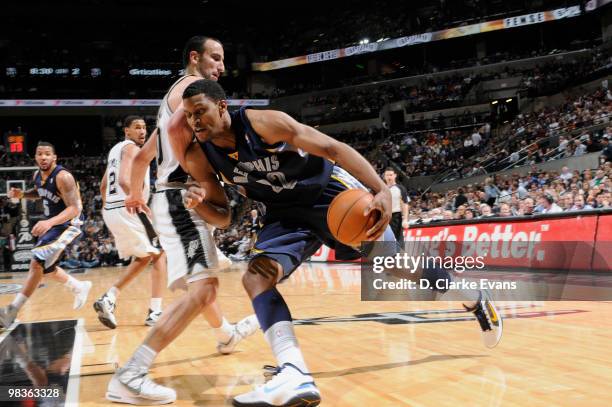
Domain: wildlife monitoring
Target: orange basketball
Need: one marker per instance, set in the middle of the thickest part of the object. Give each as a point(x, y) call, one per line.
point(345, 217)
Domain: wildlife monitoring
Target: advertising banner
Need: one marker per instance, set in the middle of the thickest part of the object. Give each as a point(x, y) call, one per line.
point(111, 102)
point(24, 242)
point(455, 32)
point(578, 243)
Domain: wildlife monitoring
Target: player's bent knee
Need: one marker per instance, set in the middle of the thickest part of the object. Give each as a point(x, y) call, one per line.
point(143, 259)
point(262, 273)
point(157, 257)
point(35, 266)
point(204, 291)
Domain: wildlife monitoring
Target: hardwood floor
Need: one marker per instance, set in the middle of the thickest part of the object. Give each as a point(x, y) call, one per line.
point(360, 353)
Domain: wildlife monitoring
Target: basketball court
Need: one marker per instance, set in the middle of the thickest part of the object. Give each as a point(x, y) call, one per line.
point(360, 353)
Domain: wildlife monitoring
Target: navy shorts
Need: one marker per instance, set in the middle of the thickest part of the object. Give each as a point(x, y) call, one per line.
point(292, 235)
point(50, 247)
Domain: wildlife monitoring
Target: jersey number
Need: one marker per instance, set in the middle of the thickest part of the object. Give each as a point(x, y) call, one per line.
point(45, 208)
point(277, 181)
point(112, 183)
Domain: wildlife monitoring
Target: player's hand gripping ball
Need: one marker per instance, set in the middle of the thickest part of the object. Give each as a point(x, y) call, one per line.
point(346, 219)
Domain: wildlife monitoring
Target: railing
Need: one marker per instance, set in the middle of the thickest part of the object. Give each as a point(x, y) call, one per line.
point(554, 155)
point(557, 136)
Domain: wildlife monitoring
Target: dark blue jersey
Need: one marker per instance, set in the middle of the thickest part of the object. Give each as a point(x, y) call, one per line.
point(276, 175)
point(53, 204)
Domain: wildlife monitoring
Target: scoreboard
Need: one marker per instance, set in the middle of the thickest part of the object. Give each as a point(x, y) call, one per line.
point(15, 143)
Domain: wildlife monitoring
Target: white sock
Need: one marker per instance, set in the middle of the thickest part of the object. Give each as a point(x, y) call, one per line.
point(143, 357)
point(156, 304)
point(284, 344)
point(224, 332)
point(113, 293)
point(73, 284)
point(18, 301)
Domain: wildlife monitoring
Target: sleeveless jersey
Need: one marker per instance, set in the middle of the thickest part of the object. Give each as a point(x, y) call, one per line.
point(169, 171)
point(53, 204)
point(114, 192)
point(277, 175)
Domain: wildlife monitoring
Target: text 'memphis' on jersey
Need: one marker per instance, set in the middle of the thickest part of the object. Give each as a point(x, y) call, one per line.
point(276, 175)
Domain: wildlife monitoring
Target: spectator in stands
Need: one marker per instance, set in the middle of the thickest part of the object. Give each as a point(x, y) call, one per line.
point(520, 189)
point(579, 204)
point(255, 223)
point(504, 210)
point(476, 139)
point(436, 215)
point(606, 152)
point(469, 214)
point(485, 211)
point(591, 201)
point(546, 204)
point(600, 179)
point(491, 190)
point(565, 175)
point(566, 201)
point(592, 146)
point(603, 200)
point(580, 149)
point(460, 199)
point(563, 142)
point(460, 212)
point(528, 207)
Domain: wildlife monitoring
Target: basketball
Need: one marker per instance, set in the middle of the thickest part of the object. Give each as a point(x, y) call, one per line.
point(345, 217)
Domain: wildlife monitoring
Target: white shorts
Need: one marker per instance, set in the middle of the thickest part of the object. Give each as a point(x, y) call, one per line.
point(134, 234)
point(185, 237)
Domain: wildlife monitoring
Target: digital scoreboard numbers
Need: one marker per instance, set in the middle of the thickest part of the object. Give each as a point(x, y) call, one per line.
point(15, 143)
point(35, 71)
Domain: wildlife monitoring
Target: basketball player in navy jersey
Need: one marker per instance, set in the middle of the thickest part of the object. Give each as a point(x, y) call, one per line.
point(296, 171)
point(62, 205)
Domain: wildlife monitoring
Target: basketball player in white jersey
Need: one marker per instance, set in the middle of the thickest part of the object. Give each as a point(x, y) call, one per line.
point(134, 234)
point(178, 211)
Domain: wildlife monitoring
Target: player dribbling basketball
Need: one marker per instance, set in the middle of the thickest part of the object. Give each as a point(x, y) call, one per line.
point(296, 171)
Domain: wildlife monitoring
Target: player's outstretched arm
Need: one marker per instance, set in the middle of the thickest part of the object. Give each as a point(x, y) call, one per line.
point(135, 201)
point(70, 195)
point(207, 198)
point(21, 194)
point(275, 126)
